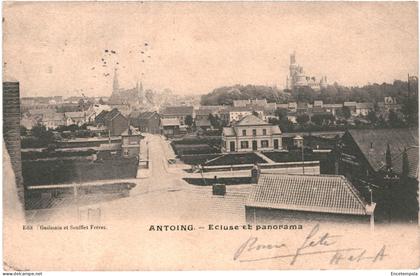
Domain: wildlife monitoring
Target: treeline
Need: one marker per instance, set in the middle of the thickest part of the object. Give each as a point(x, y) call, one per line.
point(227, 94)
point(332, 94)
point(400, 90)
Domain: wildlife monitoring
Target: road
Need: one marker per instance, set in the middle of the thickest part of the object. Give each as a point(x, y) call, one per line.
point(162, 197)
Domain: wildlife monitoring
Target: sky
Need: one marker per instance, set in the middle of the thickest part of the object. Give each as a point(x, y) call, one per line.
point(192, 48)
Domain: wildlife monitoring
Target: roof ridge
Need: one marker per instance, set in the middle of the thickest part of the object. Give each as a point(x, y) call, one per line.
point(276, 190)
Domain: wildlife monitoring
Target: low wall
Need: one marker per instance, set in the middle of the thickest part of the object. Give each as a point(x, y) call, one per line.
point(76, 170)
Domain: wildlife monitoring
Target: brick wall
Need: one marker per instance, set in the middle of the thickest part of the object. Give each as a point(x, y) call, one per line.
point(11, 131)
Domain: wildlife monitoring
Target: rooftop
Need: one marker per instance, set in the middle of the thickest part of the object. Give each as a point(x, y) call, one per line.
point(310, 193)
point(413, 162)
point(251, 120)
point(373, 143)
point(178, 110)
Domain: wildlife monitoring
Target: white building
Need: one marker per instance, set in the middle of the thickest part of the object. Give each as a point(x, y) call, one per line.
point(235, 114)
point(251, 134)
point(298, 78)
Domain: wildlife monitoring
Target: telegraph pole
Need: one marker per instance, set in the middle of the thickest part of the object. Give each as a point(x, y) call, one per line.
point(303, 160)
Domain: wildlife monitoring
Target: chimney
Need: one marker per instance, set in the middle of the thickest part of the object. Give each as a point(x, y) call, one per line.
point(11, 131)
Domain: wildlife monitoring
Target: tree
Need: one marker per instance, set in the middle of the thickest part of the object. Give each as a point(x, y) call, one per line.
point(23, 131)
point(302, 119)
point(304, 94)
point(189, 120)
point(215, 121)
point(410, 110)
point(394, 120)
point(346, 112)
point(286, 125)
point(44, 136)
point(372, 117)
point(281, 113)
point(323, 119)
point(255, 113)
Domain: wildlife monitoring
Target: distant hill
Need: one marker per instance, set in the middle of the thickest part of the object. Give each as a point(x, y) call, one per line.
point(332, 94)
point(227, 94)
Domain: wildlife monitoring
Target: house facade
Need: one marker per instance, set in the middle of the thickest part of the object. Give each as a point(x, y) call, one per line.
point(169, 126)
point(234, 114)
point(251, 134)
point(146, 121)
point(130, 143)
point(113, 120)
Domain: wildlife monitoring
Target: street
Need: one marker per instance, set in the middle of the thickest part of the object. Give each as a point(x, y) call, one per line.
point(160, 196)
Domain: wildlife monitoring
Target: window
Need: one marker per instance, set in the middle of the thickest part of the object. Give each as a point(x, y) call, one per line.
point(264, 131)
point(244, 144)
point(244, 132)
point(254, 132)
point(125, 152)
point(264, 143)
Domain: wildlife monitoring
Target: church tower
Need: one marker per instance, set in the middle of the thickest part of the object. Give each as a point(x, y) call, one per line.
point(115, 85)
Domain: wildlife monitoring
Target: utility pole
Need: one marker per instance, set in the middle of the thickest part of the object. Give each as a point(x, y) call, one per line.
point(303, 160)
point(372, 210)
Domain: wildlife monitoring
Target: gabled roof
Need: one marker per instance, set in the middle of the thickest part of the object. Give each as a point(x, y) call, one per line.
point(101, 116)
point(251, 120)
point(245, 108)
point(310, 193)
point(373, 143)
point(112, 114)
point(142, 115)
point(275, 129)
point(178, 110)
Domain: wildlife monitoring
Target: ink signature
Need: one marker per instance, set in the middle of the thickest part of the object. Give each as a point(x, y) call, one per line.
point(315, 243)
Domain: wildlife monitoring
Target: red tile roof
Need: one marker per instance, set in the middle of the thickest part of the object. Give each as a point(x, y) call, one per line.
point(311, 193)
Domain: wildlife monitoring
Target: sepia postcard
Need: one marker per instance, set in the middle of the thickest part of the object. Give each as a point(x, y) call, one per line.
point(144, 136)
